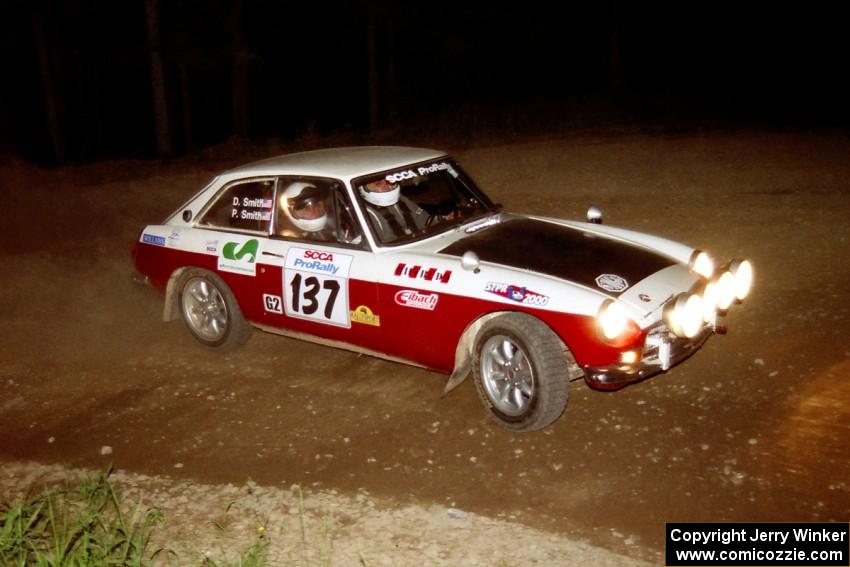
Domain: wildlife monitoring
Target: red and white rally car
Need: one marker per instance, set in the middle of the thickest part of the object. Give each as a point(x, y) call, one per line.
point(395, 252)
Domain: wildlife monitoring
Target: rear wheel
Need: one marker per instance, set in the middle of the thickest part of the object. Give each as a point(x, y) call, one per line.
point(521, 370)
point(210, 312)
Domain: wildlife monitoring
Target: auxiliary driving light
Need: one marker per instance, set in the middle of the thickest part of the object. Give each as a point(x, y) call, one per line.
point(685, 315)
point(742, 270)
point(725, 290)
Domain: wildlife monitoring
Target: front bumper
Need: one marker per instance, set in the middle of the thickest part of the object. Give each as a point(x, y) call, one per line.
point(661, 352)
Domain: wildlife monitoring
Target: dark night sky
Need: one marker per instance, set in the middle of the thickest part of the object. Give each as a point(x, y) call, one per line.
point(467, 69)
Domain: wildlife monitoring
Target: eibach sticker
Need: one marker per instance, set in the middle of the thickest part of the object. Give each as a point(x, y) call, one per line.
point(417, 300)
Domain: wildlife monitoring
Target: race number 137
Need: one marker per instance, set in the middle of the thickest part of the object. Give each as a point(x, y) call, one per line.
point(322, 299)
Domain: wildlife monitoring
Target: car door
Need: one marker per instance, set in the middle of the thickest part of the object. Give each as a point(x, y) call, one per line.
point(319, 279)
point(231, 237)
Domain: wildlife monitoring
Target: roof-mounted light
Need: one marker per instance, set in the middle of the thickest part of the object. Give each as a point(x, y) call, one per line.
point(702, 264)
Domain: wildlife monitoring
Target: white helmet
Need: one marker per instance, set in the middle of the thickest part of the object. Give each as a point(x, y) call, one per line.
point(304, 204)
point(381, 193)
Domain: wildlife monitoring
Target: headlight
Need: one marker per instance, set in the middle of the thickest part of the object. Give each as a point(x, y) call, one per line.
point(615, 327)
point(725, 290)
point(685, 316)
point(612, 320)
point(702, 264)
point(742, 270)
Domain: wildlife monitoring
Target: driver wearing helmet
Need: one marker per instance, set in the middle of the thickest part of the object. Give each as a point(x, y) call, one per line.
point(304, 206)
point(392, 215)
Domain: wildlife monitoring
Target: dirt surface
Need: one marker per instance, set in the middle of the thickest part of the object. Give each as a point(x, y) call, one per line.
point(315, 527)
point(755, 427)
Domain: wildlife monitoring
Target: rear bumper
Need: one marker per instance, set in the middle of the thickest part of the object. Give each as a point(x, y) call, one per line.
point(661, 352)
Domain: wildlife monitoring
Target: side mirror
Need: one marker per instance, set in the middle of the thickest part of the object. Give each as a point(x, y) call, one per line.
point(594, 215)
point(470, 262)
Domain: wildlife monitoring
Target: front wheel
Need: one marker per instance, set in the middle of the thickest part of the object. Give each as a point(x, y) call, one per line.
point(521, 370)
point(210, 312)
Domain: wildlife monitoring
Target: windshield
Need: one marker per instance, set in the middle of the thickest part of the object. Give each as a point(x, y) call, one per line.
point(419, 200)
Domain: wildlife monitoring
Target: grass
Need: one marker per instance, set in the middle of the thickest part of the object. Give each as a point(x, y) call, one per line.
point(254, 556)
point(86, 524)
point(76, 525)
point(305, 552)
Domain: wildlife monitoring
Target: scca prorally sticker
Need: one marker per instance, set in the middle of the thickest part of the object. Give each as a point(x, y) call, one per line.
point(272, 303)
point(239, 255)
point(316, 261)
point(399, 176)
point(423, 273)
point(365, 316)
point(517, 293)
point(434, 168)
point(153, 239)
point(612, 283)
point(315, 285)
point(417, 300)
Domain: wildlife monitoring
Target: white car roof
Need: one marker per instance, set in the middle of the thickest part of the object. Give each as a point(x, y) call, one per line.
point(340, 163)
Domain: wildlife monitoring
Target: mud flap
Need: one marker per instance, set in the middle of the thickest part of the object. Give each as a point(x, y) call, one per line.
point(460, 373)
point(171, 310)
point(463, 354)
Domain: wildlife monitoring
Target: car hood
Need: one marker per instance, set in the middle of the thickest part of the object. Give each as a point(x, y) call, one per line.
point(607, 264)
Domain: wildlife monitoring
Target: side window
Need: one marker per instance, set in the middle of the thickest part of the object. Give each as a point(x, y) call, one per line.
point(244, 205)
point(316, 210)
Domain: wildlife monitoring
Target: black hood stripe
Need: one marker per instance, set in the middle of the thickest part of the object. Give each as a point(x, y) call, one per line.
point(562, 252)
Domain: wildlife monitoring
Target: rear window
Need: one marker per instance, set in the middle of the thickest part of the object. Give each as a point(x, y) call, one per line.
point(245, 205)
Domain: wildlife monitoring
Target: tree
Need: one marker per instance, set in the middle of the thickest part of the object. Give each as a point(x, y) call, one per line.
point(239, 73)
point(374, 82)
point(51, 100)
point(615, 63)
point(160, 102)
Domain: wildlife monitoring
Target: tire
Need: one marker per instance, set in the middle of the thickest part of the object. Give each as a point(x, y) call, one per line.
point(210, 312)
point(522, 371)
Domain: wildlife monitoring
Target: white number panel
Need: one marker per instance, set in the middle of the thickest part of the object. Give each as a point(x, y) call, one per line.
point(315, 286)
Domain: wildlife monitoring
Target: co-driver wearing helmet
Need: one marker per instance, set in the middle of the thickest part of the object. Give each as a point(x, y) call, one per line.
point(304, 206)
point(392, 214)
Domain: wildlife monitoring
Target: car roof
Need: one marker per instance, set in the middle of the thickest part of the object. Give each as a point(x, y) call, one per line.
point(342, 163)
